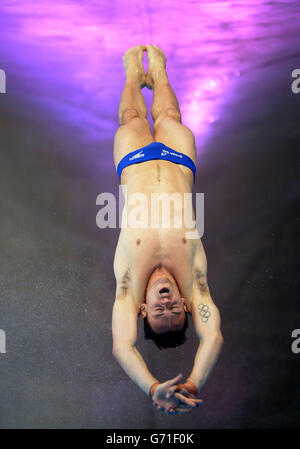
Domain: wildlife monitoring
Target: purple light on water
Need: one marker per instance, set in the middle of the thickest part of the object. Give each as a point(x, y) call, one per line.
point(69, 53)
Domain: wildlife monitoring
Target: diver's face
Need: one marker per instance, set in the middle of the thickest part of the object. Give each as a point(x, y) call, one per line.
point(164, 307)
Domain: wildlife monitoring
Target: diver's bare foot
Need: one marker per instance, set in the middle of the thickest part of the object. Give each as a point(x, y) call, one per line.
point(157, 65)
point(133, 64)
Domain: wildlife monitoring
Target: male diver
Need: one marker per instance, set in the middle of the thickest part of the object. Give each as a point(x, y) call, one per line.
point(160, 274)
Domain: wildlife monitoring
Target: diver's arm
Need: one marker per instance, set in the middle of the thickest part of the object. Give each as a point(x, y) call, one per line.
point(207, 322)
point(124, 329)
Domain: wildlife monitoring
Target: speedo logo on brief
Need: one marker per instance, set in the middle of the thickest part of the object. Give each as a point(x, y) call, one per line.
point(136, 156)
point(165, 152)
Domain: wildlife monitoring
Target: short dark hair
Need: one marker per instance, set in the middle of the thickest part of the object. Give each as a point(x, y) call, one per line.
point(170, 339)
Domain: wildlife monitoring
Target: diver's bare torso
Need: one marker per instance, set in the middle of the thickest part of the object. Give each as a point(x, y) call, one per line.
point(143, 250)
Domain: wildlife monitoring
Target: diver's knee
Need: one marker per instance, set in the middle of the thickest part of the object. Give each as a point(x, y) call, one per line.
point(127, 115)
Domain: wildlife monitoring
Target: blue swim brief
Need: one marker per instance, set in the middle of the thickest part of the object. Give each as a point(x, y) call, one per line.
point(155, 150)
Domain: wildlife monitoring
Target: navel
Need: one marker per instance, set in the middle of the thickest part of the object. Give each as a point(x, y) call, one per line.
point(138, 241)
point(183, 240)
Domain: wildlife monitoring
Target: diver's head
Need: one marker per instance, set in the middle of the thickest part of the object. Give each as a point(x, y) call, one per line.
point(164, 313)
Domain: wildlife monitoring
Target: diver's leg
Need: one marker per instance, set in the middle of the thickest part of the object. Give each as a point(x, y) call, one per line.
point(164, 98)
point(165, 111)
point(132, 101)
point(134, 131)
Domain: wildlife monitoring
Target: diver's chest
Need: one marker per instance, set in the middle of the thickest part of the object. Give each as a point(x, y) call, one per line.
point(170, 248)
point(175, 255)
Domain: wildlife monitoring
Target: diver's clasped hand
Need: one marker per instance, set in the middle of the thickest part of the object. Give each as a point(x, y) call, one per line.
point(174, 398)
